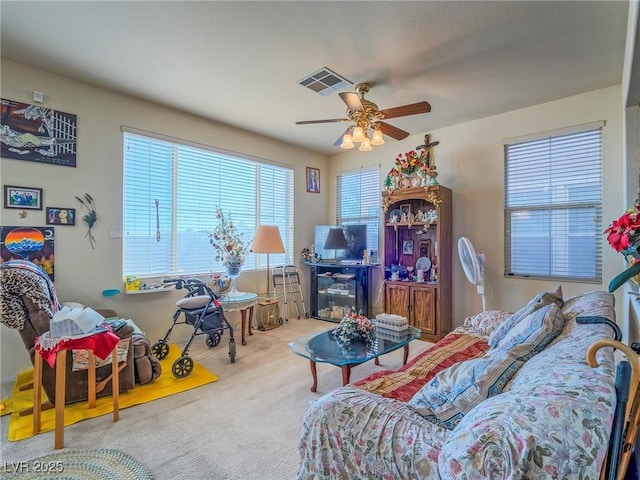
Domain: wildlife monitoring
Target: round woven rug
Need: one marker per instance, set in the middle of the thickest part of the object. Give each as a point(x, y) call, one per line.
point(103, 464)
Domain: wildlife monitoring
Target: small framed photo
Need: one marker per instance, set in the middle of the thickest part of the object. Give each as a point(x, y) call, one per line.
point(22, 198)
point(407, 247)
point(405, 208)
point(313, 180)
point(61, 216)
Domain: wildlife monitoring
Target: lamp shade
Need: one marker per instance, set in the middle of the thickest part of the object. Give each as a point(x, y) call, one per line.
point(335, 240)
point(267, 240)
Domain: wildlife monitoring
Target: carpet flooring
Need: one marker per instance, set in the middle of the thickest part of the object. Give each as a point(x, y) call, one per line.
point(244, 426)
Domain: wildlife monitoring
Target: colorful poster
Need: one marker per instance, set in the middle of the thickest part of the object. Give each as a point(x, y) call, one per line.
point(35, 244)
point(37, 134)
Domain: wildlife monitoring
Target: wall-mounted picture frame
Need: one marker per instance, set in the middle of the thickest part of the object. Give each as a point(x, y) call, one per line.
point(407, 247)
point(61, 216)
point(38, 134)
point(23, 198)
point(313, 180)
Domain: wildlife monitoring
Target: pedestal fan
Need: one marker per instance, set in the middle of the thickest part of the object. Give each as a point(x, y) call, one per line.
point(473, 266)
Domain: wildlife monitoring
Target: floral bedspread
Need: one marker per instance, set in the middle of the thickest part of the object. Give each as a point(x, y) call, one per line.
point(552, 421)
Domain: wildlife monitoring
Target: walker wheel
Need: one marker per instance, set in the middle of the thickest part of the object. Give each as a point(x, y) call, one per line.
point(280, 321)
point(160, 349)
point(232, 351)
point(306, 314)
point(213, 339)
point(182, 367)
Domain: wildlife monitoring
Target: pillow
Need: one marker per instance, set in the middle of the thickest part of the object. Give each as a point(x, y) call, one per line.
point(454, 391)
point(484, 322)
point(539, 301)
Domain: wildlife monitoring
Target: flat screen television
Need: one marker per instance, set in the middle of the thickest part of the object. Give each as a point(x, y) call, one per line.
point(356, 236)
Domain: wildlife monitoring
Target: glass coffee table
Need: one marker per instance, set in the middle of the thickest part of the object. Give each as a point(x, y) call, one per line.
point(323, 348)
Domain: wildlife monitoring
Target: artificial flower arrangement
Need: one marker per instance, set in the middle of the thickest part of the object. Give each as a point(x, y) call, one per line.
point(354, 327)
point(410, 163)
point(230, 249)
point(624, 236)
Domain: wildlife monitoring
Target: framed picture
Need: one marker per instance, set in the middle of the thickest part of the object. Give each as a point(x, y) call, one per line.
point(36, 244)
point(61, 216)
point(38, 134)
point(313, 180)
point(22, 197)
point(407, 247)
point(405, 208)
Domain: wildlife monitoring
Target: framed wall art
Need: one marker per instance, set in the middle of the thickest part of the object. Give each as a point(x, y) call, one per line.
point(61, 216)
point(22, 198)
point(407, 247)
point(37, 134)
point(35, 244)
point(313, 180)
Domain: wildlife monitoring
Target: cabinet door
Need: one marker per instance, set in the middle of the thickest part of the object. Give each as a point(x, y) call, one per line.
point(396, 299)
point(423, 309)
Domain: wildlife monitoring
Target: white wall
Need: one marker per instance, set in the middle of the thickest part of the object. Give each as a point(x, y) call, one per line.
point(82, 273)
point(470, 162)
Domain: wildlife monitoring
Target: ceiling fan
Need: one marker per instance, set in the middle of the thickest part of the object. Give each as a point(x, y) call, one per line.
point(368, 127)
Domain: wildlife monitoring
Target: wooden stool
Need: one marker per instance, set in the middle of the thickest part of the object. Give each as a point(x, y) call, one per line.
point(61, 364)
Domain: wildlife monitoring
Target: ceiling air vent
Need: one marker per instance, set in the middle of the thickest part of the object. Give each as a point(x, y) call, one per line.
point(324, 81)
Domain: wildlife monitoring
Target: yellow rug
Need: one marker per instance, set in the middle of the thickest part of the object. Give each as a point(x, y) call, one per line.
point(165, 385)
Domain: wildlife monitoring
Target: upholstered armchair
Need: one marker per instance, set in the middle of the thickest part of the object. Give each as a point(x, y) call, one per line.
point(27, 303)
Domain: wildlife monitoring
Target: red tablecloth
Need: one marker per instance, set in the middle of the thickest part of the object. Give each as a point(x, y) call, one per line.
point(101, 344)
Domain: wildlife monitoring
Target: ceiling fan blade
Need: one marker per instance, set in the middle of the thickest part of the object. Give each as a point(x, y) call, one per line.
point(331, 120)
point(412, 109)
point(393, 132)
point(352, 100)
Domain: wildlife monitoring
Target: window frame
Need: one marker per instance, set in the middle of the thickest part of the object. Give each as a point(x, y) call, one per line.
point(580, 209)
point(373, 234)
point(263, 211)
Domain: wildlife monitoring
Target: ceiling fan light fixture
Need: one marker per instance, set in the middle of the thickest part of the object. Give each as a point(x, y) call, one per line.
point(358, 134)
point(365, 146)
point(377, 138)
point(347, 143)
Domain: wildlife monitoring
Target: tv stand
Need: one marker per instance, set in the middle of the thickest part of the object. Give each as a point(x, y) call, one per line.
point(338, 287)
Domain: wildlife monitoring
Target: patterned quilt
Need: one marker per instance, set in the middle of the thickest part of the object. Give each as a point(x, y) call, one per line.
point(404, 383)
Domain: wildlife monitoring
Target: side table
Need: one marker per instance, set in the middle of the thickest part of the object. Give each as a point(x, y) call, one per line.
point(268, 315)
point(101, 344)
point(242, 302)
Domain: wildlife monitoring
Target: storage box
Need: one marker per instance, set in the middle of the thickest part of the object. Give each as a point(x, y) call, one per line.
point(392, 335)
point(392, 322)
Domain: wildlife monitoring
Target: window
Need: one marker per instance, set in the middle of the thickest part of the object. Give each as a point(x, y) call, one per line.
point(358, 202)
point(553, 205)
point(171, 191)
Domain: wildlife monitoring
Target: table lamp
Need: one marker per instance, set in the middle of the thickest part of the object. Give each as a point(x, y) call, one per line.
point(267, 240)
point(335, 241)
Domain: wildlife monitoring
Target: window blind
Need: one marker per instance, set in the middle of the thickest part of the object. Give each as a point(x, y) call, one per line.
point(171, 192)
point(358, 202)
point(553, 207)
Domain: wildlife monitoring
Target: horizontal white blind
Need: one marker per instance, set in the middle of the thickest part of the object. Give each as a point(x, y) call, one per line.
point(171, 192)
point(358, 202)
point(553, 207)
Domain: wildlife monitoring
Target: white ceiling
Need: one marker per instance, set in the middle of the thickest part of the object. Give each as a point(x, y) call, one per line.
point(238, 62)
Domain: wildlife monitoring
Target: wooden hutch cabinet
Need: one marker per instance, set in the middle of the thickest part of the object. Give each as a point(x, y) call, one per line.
point(417, 225)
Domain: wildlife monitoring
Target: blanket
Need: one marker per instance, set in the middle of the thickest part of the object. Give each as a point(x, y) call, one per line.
point(20, 279)
point(404, 383)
